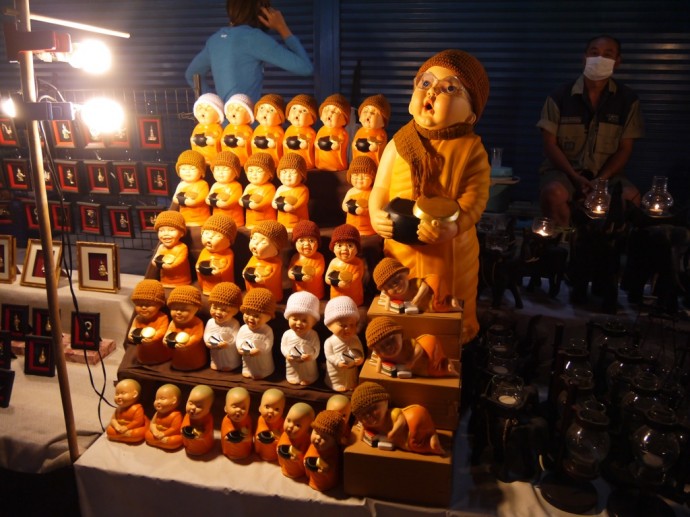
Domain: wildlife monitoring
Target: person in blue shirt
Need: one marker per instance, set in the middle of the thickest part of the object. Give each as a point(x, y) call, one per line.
point(235, 55)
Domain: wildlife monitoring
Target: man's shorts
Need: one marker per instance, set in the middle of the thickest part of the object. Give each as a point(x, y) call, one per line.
point(561, 177)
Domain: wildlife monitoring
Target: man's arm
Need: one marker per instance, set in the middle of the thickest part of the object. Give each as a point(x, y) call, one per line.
point(614, 165)
point(561, 162)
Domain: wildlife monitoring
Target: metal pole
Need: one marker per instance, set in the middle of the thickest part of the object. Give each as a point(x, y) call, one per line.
point(26, 65)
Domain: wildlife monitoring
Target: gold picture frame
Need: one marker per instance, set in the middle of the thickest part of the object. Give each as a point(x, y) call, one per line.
point(33, 273)
point(8, 259)
point(98, 265)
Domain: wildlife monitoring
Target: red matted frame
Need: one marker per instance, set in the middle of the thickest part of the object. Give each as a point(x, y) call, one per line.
point(61, 215)
point(127, 174)
point(85, 330)
point(68, 175)
point(17, 172)
point(15, 320)
point(8, 133)
point(150, 130)
point(157, 182)
point(39, 358)
point(91, 140)
point(98, 176)
point(63, 134)
point(40, 322)
point(120, 218)
point(147, 218)
point(5, 356)
point(120, 139)
point(31, 214)
point(91, 218)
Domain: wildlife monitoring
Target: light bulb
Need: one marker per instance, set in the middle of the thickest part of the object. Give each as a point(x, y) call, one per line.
point(92, 56)
point(102, 116)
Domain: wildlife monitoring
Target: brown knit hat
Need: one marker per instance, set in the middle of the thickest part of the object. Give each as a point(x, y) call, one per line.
point(148, 291)
point(226, 293)
point(191, 157)
point(306, 228)
point(272, 230)
point(365, 395)
point(470, 72)
point(339, 101)
point(328, 422)
point(386, 269)
point(380, 328)
point(274, 100)
point(362, 163)
point(379, 102)
point(345, 232)
point(294, 161)
point(263, 160)
point(223, 224)
point(305, 100)
point(260, 300)
point(186, 294)
point(228, 159)
point(171, 218)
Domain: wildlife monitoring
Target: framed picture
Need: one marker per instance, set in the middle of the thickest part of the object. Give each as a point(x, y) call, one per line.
point(6, 383)
point(127, 177)
point(39, 358)
point(5, 350)
point(86, 330)
point(31, 213)
point(8, 257)
point(120, 139)
point(17, 172)
point(90, 217)
point(120, 218)
point(8, 133)
point(5, 213)
point(34, 272)
point(150, 132)
point(15, 320)
point(147, 218)
point(92, 140)
point(61, 215)
point(63, 134)
point(68, 175)
point(98, 177)
point(157, 179)
point(40, 322)
point(98, 266)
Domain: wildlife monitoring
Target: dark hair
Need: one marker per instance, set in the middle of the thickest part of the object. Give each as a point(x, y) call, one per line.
point(245, 12)
point(602, 36)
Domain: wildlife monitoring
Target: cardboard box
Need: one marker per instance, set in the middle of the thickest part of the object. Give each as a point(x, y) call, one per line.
point(441, 396)
point(397, 475)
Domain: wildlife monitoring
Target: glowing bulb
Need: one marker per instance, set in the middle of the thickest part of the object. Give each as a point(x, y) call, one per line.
point(102, 116)
point(8, 107)
point(92, 56)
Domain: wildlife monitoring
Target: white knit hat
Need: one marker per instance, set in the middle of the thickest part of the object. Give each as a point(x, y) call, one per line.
point(302, 302)
point(213, 100)
point(340, 307)
point(245, 102)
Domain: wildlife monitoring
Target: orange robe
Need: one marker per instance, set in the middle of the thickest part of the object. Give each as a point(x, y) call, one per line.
point(199, 140)
point(298, 137)
point(134, 419)
point(360, 221)
point(237, 138)
point(154, 351)
point(193, 355)
point(268, 139)
point(316, 264)
point(420, 428)
point(263, 211)
point(271, 270)
point(169, 425)
point(329, 475)
point(202, 443)
point(327, 158)
point(268, 451)
point(355, 289)
point(228, 194)
point(364, 138)
point(293, 467)
point(236, 450)
point(300, 212)
point(179, 271)
point(194, 210)
point(224, 261)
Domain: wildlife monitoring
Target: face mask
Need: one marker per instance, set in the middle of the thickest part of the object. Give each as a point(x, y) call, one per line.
point(598, 68)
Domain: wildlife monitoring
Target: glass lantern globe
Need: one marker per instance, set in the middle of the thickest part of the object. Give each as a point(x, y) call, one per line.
point(597, 202)
point(655, 446)
point(544, 227)
point(587, 444)
point(658, 201)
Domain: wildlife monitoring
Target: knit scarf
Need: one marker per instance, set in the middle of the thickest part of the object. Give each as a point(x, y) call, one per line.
point(413, 144)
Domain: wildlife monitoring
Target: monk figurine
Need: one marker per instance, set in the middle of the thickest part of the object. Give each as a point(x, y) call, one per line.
point(341, 404)
point(255, 338)
point(172, 255)
point(422, 356)
point(267, 137)
point(343, 349)
point(291, 199)
point(265, 267)
point(259, 193)
point(355, 204)
point(300, 344)
point(220, 333)
point(165, 429)
point(307, 266)
point(345, 272)
point(129, 422)
point(197, 425)
point(236, 427)
point(150, 323)
point(322, 459)
point(225, 193)
point(216, 262)
point(410, 428)
point(332, 139)
point(294, 441)
point(186, 331)
point(269, 426)
point(374, 113)
point(206, 137)
point(192, 190)
point(435, 172)
point(237, 135)
point(300, 136)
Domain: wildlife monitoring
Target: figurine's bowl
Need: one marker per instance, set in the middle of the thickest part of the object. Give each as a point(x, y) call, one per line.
point(137, 338)
point(292, 143)
point(170, 339)
point(297, 273)
point(311, 463)
point(352, 205)
point(234, 436)
point(230, 141)
point(200, 139)
point(245, 200)
point(362, 145)
point(266, 437)
point(249, 274)
point(213, 199)
point(188, 432)
point(205, 268)
point(180, 198)
point(334, 277)
point(405, 223)
point(325, 143)
point(158, 261)
point(284, 452)
point(280, 203)
point(261, 142)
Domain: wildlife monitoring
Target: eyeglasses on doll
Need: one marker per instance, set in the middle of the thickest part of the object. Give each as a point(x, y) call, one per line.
point(450, 85)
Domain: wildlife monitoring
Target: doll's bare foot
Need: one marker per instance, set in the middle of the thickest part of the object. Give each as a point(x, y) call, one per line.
point(340, 389)
point(246, 375)
point(213, 366)
point(304, 383)
point(435, 444)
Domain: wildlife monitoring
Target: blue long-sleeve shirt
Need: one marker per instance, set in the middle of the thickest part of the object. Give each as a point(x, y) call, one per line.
point(235, 56)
